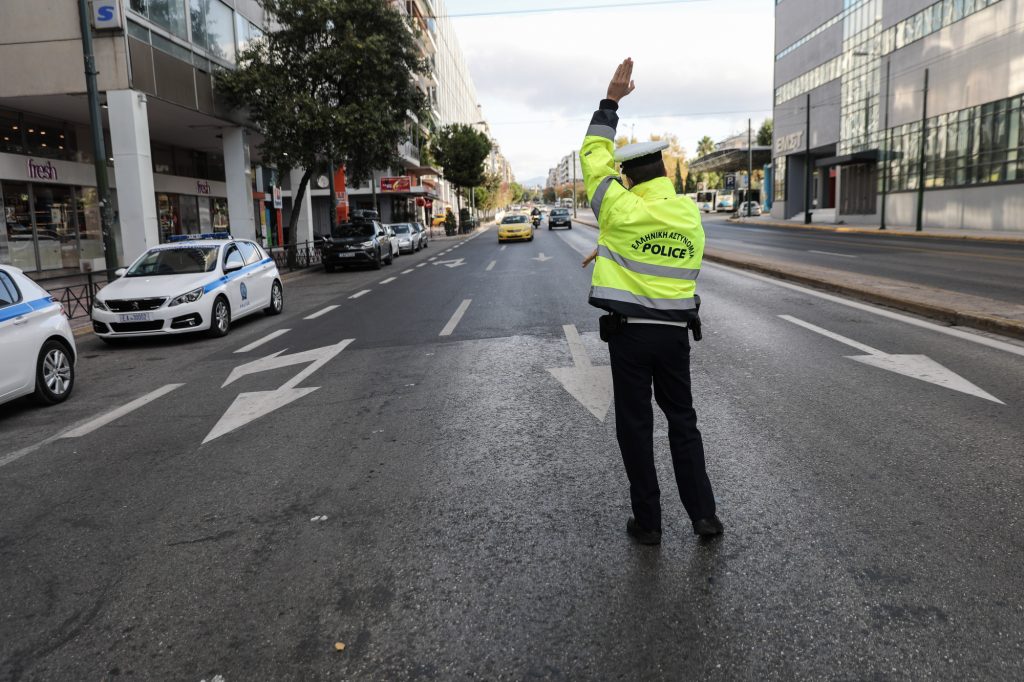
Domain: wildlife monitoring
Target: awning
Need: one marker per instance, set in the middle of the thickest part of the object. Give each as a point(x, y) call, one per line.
point(731, 160)
point(867, 156)
point(422, 170)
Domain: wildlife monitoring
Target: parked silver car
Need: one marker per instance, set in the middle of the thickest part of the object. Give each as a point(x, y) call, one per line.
point(408, 238)
point(396, 245)
point(424, 234)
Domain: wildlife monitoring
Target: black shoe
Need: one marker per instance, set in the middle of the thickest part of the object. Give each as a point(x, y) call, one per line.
point(708, 528)
point(644, 537)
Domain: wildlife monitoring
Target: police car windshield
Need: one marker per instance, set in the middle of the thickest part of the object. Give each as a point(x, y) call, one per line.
point(509, 219)
point(179, 260)
point(353, 230)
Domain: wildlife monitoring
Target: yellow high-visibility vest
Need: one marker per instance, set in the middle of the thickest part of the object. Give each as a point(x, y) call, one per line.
point(651, 242)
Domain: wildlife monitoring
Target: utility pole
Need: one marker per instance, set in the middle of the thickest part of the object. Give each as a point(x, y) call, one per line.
point(921, 164)
point(99, 148)
point(573, 183)
point(807, 165)
point(888, 141)
point(750, 163)
point(334, 197)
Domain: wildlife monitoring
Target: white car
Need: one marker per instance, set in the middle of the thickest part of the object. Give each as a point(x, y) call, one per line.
point(755, 208)
point(194, 284)
point(408, 237)
point(396, 244)
point(37, 348)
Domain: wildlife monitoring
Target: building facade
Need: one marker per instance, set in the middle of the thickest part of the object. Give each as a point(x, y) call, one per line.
point(179, 161)
point(904, 112)
point(562, 173)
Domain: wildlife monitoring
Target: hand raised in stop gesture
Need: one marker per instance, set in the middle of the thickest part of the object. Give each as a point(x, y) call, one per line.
point(622, 82)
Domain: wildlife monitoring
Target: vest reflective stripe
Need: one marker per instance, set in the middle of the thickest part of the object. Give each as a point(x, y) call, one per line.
point(624, 296)
point(647, 268)
point(599, 130)
point(599, 193)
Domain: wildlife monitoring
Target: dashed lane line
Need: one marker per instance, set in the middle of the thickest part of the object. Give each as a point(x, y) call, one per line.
point(90, 425)
point(389, 280)
point(406, 272)
point(432, 258)
point(266, 339)
point(831, 253)
point(456, 318)
point(490, 266)
point(364, 292)
point(321, 313)
point(420, 265)
point(503, 247)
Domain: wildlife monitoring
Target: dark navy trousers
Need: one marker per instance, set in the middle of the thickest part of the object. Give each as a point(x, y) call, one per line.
point(643, 355)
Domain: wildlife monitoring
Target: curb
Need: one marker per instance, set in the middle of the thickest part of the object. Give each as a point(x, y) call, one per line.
point(963, 318)
point(842, 229)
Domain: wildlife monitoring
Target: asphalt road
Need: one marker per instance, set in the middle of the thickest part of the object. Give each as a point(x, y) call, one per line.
point(445, 508)
point(991, 270)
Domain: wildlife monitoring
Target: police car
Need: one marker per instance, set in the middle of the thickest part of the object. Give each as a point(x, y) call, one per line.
point(37, 349)
point(192, 283)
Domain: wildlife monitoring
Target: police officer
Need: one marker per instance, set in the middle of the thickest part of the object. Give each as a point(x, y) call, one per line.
point(648, 257)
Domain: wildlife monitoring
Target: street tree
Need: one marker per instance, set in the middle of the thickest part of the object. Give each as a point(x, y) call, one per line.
point(690, 185)
point(461, 151)
point(334, 82)
point(549, 195)
point(764, 133)
point(678, 182)
point(705, 146)
point(517, 192)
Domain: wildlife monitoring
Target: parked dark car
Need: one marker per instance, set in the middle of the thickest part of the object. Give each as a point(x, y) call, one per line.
point(559, 217)
point(363, 242)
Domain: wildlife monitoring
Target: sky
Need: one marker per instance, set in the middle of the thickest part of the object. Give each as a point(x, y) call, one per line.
point(702, 67)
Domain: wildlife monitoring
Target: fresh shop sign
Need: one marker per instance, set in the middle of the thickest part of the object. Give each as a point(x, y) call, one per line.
point(41, 171)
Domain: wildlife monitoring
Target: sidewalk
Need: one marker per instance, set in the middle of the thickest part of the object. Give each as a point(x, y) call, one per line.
point(939, 304)
point(891, 231)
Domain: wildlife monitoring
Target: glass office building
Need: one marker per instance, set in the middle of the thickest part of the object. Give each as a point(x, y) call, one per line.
point(900, 110)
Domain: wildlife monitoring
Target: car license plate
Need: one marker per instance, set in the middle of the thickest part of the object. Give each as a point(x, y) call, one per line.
point(347, 255)
point(136, 317)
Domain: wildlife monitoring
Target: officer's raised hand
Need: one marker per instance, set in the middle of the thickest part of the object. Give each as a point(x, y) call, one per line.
point(622, 82)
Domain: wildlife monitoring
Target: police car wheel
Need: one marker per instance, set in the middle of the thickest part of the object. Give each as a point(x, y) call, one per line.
point(276, 300)
point(55, 374)
point(220, 325)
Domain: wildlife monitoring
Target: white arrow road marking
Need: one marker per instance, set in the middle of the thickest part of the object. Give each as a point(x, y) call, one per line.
point(249, 407)
point(266, 339)
point(541, 257)
point(454, 263)
point(590, 385)
point(914, 366)
point(320, 313)
point(456, 318)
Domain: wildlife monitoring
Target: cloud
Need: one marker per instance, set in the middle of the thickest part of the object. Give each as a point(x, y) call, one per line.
point(539, 77)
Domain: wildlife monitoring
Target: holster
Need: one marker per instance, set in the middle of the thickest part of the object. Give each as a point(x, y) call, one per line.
point(694, 322)
point(610, 325)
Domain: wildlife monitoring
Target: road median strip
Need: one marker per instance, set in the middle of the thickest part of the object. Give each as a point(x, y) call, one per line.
point(939, 304)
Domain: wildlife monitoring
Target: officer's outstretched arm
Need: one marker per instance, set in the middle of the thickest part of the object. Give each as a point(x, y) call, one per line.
point(597, 156)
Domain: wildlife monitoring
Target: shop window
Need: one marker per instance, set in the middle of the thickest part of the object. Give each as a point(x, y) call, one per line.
point(90, 225)
point(219, 215)
point(214, 167)
point(189, 208)
point(17, 244)
point(163, 158)
point(56, 227)
point(168, 215)
point(11, 133)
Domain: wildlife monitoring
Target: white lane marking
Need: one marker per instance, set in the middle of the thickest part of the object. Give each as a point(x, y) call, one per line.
point(453, 263)
point(432, 258)
point(266, 339)
point(881, 312)
point(389, 280)
point(590, 385)
point(18, 454)
point(364, 292)
point(919, 367)
point(101, 421)
point(321, 313)
point(503, 247)
point(456, 318)
point(831, 253)
point(249, 407)
point(490, 266)
point(406, 272)
point(420, 265)
point(541, 257)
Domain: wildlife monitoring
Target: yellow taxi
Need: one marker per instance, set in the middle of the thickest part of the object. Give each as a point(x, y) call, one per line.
point(515, 227)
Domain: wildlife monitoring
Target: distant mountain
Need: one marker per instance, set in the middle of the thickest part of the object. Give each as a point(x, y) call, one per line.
point(535, 182)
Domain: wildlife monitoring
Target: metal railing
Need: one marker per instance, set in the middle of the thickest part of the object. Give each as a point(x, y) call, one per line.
point(76, 298)
point(302, 255)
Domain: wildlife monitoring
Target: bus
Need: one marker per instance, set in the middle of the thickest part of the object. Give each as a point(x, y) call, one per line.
point(707, 200)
